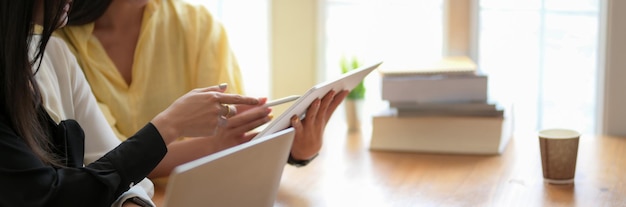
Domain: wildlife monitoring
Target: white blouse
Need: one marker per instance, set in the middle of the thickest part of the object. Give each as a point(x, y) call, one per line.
point(67, 95)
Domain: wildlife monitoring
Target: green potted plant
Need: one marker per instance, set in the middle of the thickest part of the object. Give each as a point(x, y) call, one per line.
point(354, 100)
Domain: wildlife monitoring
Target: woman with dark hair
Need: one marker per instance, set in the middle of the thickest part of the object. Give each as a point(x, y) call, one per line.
point(50, 126)
point(140, 52)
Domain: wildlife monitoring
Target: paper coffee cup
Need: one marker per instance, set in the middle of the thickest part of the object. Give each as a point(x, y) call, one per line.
point(559, 149)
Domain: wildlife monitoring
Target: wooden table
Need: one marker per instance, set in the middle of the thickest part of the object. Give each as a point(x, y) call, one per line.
point(347, 173)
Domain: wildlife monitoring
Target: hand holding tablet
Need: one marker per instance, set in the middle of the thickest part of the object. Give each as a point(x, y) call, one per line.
point(347, 81)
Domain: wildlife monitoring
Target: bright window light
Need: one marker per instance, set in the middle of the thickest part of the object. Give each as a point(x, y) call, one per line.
point(247, 24)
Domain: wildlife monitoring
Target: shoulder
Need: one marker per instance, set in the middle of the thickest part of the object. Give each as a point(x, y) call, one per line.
point(56, 54)
point(59, 58)
point(187, 8)
point(75, 36)
point(194, 16)
point(58, 50)
point(11, 145)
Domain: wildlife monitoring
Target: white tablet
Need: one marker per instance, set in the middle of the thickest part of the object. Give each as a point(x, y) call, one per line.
point(346, 81)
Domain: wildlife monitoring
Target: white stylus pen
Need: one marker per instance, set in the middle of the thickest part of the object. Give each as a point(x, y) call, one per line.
point(281, 100)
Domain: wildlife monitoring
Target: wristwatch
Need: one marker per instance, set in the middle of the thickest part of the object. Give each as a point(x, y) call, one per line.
point(300, 163)
point(139, 202)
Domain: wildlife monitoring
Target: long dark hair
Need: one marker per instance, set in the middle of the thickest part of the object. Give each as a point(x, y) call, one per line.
point(87, 11)
point(19, 90)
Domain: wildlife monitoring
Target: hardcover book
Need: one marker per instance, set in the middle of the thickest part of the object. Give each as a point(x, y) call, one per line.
point(440, 134)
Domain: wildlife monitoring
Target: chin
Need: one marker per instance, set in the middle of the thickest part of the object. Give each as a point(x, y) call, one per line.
point(62, 23)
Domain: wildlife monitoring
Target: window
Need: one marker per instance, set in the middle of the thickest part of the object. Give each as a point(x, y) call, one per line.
point(246, 24)
point(392, 30)
point(540, 55)
point(389, 30)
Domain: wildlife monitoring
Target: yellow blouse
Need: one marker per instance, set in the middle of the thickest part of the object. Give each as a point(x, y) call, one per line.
point(180, 47)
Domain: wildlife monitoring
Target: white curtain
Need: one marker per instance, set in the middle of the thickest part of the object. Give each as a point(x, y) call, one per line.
point(541, 55)
point(247, 25)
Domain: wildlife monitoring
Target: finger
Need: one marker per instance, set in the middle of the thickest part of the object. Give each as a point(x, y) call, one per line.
point(262, 101)
point(222, 121)
point(250, 135)
point(224, 110)
point(296, 124)
point(228, 110)
point(212, 130)
point(250, 125)
point(231, 110)
point(336, 102)
point(218, 88)
point(243, 108)
point(326, 100)
point(250, 119)
point(311, 113)
point(247, 137)
point(239, 130)
point(226, 98)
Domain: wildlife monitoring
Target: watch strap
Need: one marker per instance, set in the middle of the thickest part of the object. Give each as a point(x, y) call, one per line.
point(140, 202)
point(299, 163)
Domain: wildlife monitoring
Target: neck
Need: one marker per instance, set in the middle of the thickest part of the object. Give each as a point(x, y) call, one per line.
point(120, 15)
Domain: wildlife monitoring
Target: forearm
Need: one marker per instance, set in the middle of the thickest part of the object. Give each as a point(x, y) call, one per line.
point(183, 151)
point(97, 184)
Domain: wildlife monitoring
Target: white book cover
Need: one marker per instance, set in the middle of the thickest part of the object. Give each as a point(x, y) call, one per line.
point(435, 89)
point(453, 65)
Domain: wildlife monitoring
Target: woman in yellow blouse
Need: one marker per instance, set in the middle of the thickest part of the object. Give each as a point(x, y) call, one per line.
point(139, 55)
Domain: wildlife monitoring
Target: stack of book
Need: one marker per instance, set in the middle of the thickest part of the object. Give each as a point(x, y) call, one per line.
point(441, 108)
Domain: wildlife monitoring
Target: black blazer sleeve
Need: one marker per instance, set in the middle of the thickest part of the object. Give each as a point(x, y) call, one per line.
point(26, 181)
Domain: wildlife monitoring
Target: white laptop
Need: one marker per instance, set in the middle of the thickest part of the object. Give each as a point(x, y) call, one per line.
point(245, 175)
